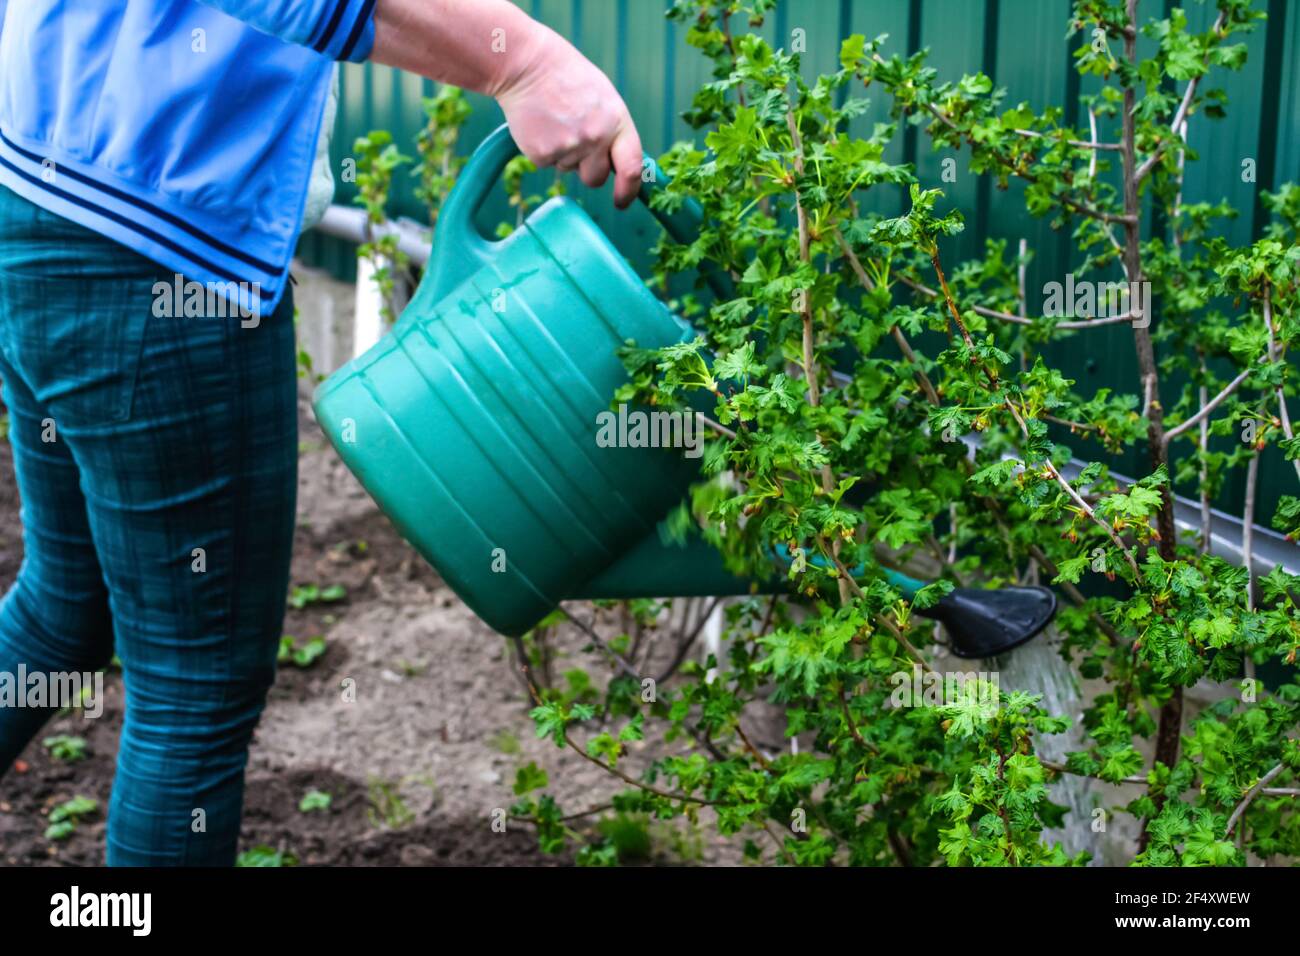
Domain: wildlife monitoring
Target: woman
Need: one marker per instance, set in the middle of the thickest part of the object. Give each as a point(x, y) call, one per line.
point(147, 145)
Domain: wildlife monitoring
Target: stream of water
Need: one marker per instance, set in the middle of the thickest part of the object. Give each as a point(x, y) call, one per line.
point(1038, 667)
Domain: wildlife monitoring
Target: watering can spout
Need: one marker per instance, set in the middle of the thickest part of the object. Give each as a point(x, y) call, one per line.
point(985, 623)
point(656, 567)
point(979, 623)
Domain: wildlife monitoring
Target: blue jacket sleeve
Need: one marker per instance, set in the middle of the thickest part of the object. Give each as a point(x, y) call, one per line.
point(339, 29)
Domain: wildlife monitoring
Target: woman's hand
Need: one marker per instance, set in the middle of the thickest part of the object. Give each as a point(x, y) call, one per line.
point(562, 110)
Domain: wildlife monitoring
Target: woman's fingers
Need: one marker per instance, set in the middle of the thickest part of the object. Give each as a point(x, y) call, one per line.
point(622, 155)
point(564, 112)
point(594, 168)
point(627, 156)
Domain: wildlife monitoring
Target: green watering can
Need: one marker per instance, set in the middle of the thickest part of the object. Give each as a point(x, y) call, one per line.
point(475, 424)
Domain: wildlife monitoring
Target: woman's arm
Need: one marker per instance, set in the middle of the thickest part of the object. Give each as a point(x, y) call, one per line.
point(561, 108)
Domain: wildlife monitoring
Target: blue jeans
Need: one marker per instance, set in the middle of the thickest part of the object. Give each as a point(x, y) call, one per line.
point(156, 460)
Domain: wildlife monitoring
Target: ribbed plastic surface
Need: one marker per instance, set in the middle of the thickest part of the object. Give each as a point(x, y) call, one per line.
point(473, 423)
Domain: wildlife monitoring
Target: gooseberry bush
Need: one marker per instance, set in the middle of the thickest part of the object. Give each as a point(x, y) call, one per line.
point(377, 159)
point(870, 400)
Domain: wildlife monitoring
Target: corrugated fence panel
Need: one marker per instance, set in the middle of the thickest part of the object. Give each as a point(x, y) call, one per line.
point(872, 18)
point(1222, 145)
point(954, 32)
point(1285, 86)
point(1021, 43)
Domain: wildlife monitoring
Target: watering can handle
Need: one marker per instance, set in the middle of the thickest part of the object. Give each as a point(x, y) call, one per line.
point(459, 249)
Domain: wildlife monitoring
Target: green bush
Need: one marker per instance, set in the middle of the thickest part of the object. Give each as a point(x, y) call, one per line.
point(833, 469)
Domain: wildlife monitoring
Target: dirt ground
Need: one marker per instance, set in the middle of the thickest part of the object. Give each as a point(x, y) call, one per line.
point(415, 764)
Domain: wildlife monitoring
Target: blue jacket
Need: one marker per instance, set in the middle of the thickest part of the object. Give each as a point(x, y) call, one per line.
point(184, 129)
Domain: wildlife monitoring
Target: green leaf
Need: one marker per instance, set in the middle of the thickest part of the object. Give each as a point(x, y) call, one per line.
point(265, 856)
point(529, 778)
point(315, 801)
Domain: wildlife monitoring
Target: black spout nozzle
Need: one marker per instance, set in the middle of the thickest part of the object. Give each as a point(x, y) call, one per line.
point(987, 623)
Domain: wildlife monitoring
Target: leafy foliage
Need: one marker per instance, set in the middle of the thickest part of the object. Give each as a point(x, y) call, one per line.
point(845, 376)
point(446, 113)
point(377, 158)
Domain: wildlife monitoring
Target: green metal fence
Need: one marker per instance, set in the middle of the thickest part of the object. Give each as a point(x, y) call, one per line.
point(1020, 43)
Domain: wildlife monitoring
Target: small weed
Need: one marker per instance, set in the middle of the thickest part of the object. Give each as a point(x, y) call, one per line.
point(65, 817)
point(351, 549)
point(65, 748)
point(387, 808)
point(300, 655)
point(305, 595)
point(629, 835)
point(265, 856)
point(315, 801)
point(681, 839)
point(410, 669)
point(306, 368)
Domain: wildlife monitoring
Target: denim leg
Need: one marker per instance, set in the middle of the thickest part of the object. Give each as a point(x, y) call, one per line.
point(177, 455)
point(55, 617)
point(191, 504)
